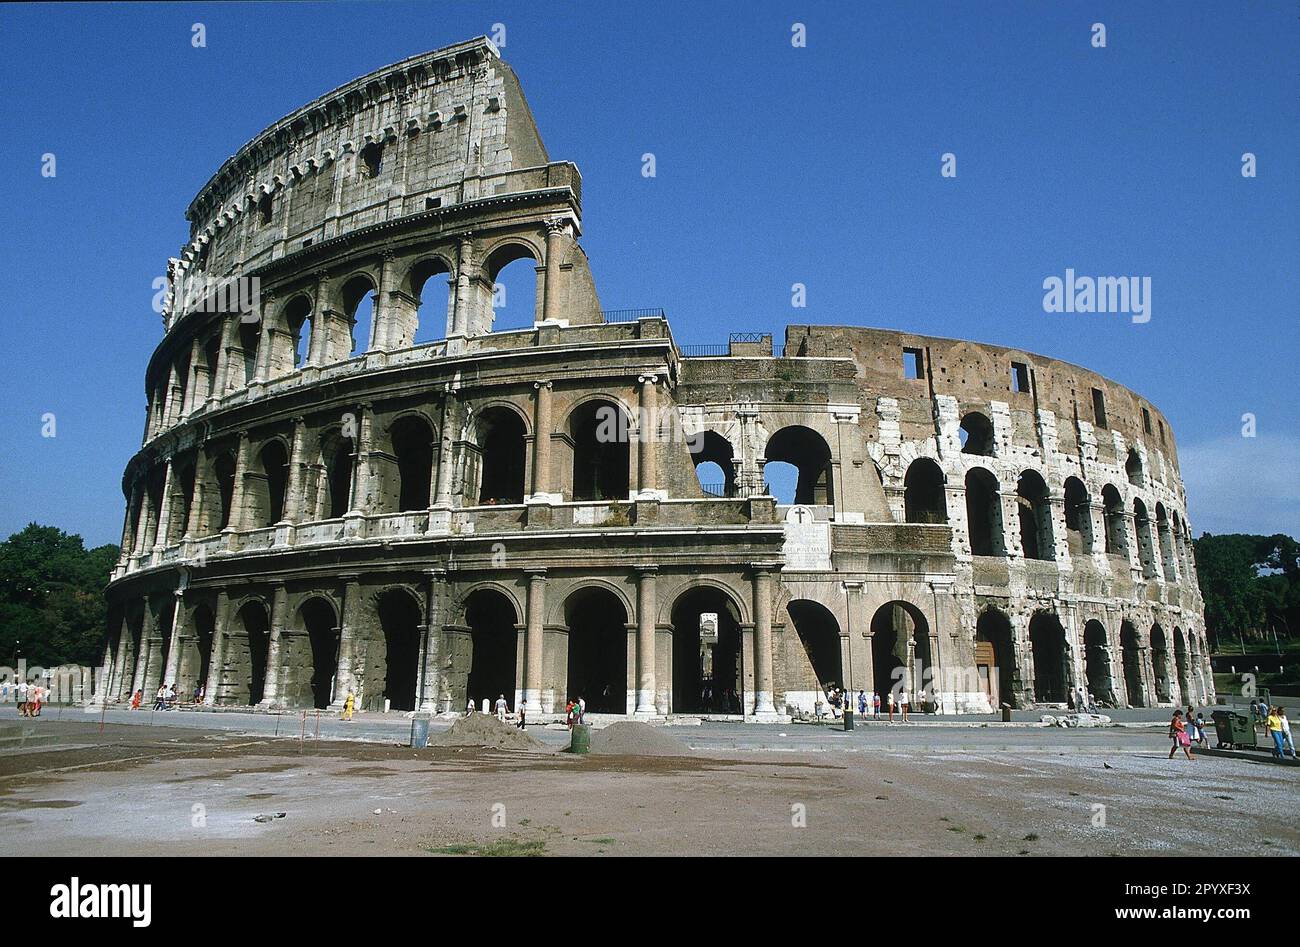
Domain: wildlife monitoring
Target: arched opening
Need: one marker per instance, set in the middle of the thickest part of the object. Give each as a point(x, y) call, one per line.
point(246, 647)
point(335, 484)
point(1132, 655)
point(359, 308)
point(179, 525)
point(805, 450)
point(819, 633)
point(512, 275)
point(1166, 540)
point(196, 659)
point(923, 493)
point(1160, 663)
point(1035, 516)
point(223, 468)
point(599, 430)
point(1180, 662)
point(1146, 548)
point(399, 620)
point(1133, 467)
point(1096, 663)
point(494, 647)
point(311, 655)
point(1078, 517)
point(983, 513)
point(1116, 528)
point(412, 438)
point(501, 465)
point(707, 655)
point(995, 657)
point(1051, 658)
point(900, 652)
point(273, 481)
point(976, 434)
point(297, 319)
point(250, 336)
point(435, 296)
point(712, 456)
point(598, 633)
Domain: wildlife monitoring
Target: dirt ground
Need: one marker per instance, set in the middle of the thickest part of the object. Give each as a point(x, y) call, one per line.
point(136, 790)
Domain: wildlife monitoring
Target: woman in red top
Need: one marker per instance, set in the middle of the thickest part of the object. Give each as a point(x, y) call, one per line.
point(1178, 733)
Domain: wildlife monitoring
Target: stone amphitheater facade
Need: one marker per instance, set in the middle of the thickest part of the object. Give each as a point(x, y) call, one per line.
point(318, 510)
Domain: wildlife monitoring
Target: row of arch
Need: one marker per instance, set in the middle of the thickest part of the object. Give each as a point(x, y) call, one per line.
point(925, 488)
point(327, 325)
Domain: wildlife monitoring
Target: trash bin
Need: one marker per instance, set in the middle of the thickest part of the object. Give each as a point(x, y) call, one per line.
point(1233, 729)
point(848, 719)
point(1006, 713)
point(580, 739)
point(419, 732)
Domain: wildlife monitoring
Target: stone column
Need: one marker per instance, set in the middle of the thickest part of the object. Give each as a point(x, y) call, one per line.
point(383, 320)
point(165, 505)
point(149, 669)
point(555, 229)
point(646, 628)
point(202, 471)
point(118, 673)
point(343, 680)
point(322, 314)
point(533, 641)
point(218, 658)
point(446, 458)
point(177, 639)
point(139, 547)
point(238, 499)
point(271, 684)
point(293, 503)
point(226, 354)
point(191, 403)
point(542, 440)
point(647, 425)
point(358, 501)
point(431, 645)
point(460, 316)
point(763, 685)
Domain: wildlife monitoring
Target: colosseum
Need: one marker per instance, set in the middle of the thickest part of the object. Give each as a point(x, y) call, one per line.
point(354, 482)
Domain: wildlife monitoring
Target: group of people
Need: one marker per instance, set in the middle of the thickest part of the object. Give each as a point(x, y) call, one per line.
point(166, 697)
point(501, 710)
point(841, 700)
point(29, 697)
point(1277, 726)
point(1188, 727)
point(1186, 730)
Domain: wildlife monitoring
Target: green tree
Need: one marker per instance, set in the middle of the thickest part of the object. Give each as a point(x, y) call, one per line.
point(52, 597)
point(1251, 585)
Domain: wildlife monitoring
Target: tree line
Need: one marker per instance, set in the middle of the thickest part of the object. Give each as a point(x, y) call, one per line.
point(1251, 587)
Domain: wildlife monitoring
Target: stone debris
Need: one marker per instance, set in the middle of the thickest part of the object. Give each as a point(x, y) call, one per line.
point(1075, 720)
point(268, 818)
point(485, 730)
point(632, 738)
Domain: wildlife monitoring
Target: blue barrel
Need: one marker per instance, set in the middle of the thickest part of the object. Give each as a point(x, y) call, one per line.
point(419, 732)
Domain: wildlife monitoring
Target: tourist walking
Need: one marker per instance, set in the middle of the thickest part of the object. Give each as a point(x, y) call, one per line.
point(891, 706)
point(34, 696)
point(582, 709)
point(902, 705)
point(862, 703)
point(348, 704)
point(160, 698)
point(523, 722)
point(469, 707)
point(20, 692)
point(1286, 731)
point(501, 707)
point(1178, 733)
point(1201, 738)
point(136, 698)
point(875, 705)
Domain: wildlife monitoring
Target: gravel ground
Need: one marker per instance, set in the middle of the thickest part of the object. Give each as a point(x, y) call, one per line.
point(141, 790)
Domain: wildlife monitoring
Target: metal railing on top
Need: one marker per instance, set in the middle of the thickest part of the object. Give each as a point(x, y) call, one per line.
point(631, 315)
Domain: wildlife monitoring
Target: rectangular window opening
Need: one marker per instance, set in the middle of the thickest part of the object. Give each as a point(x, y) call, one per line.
point(1099, 407)
point(913, 363)
point(1019, 377)
point(1146, 420)
point(431, 203)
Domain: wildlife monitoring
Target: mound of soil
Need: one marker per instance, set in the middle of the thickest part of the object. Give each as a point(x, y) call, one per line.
point(632, 738)
point(487, 731)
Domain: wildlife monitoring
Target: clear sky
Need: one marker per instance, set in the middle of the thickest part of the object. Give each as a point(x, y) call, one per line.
point(775, 165)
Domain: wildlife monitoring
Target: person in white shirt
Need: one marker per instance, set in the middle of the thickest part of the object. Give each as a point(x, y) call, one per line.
point(21, 693)
point(501, 707)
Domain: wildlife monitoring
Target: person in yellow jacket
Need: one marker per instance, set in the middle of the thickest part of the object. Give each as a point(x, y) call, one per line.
point(348, 706)
point(1274, 724)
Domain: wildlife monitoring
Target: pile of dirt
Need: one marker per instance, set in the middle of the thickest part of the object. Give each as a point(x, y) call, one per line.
point(631, 738)
point(487, 731)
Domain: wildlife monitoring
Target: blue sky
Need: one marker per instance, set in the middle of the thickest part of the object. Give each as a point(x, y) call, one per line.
point(775, 165)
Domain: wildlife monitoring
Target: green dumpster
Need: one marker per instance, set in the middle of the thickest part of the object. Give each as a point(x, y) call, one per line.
point(580, 739)
point(1233, 730)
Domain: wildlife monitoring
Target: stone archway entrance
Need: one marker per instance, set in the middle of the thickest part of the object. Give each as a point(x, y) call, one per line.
point(494, 648)
point(598, 646)
point(708, 672)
